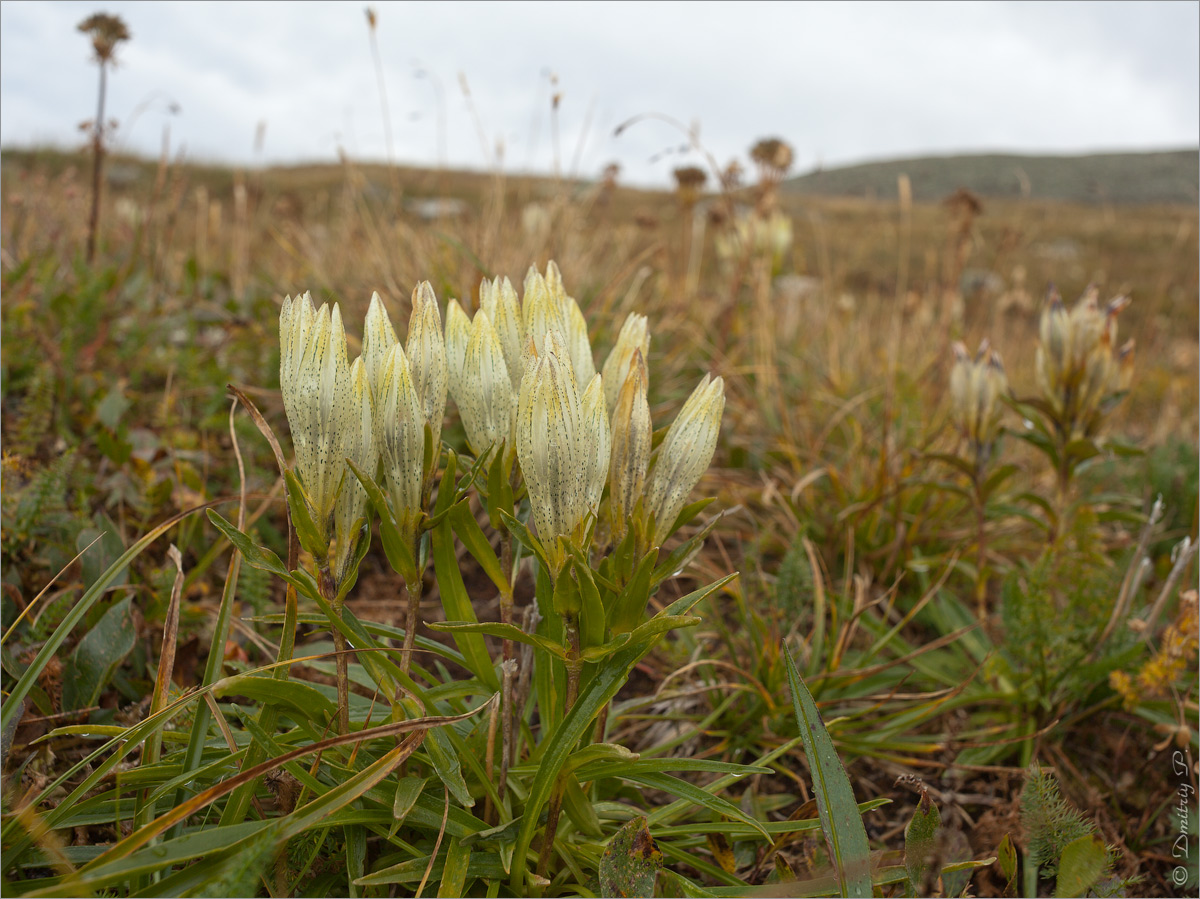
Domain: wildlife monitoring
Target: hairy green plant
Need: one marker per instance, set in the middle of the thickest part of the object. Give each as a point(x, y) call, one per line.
point(1061, 843)
point(1050, 821)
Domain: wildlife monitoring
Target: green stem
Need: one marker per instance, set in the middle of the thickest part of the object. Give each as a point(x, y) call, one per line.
point(981, 549)
point(413, 590)
point(1029, 871)
point(506, 666)
point(329, 592)
point(574, 665)
point(1062, 487)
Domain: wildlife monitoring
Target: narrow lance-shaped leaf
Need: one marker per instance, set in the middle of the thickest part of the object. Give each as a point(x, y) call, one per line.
point(841, 822)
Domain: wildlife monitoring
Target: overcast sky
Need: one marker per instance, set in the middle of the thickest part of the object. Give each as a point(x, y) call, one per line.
point(843, 82)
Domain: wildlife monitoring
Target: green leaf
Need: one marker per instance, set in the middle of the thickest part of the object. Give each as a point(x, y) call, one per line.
point(473, 538)
point(457, 606)
point(596, 653)
point(1120, 447)
point(395, 547)
point(362, 543)
point(1041, 441)
point(196, 844)
point(591, 608)
point(841, 822)
point(99, 653)
point(307, 531)
point(660, 624)
point(690, 511)
point(1080, 449)
point(442, 756)
point(958, 462)
point(112, 408)
point(500, 835)
point(595, 770)
point(920, 841)
point(446, 494)
point(565, 598)
point(630, 864)
point(580, 809)
point(454, 872)
point(109, 546)
point(356, 854)
point(256, 556)
point(998, 477)
point(1025, 407)
point(499, 484)
point(598, 753)
point(304, 701)
point(681, 555)
point(525, 537)
point(483, 865)
point(1084, 861)
point(630, 607)
point(701, 797)
point(497, 629)
point(448, 768)
point(408, 791)
point(1006, 855)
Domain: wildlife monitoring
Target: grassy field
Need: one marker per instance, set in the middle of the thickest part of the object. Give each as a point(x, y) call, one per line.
point(1001, 643)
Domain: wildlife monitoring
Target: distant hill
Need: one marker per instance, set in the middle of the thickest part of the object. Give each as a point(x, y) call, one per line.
point(1169, 177)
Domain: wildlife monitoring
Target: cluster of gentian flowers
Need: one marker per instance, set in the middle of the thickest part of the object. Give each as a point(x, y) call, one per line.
point(522, 375)
point(1080, 368)
point(1081, 372)
point(976, 385)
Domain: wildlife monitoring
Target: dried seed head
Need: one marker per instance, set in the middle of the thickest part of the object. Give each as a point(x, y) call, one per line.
point(690, 177)
point(106, 31)
point(773, 155)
